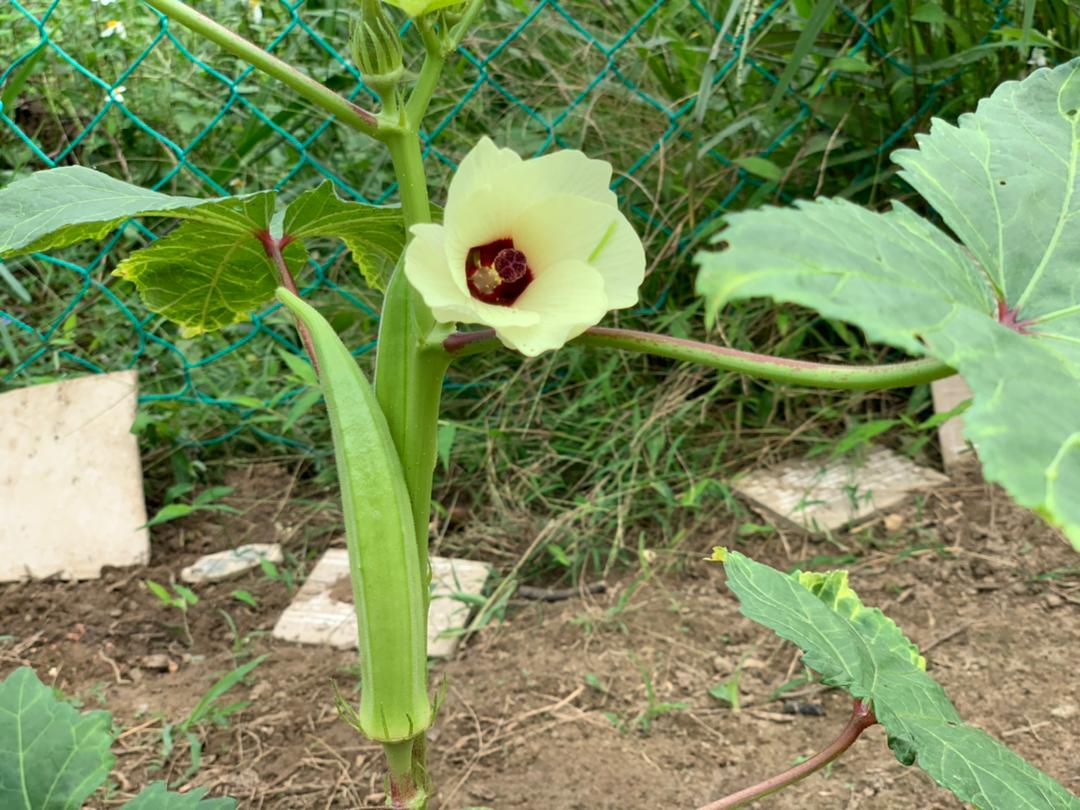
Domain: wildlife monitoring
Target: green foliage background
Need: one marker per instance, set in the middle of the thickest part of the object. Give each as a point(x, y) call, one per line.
point(702, 107)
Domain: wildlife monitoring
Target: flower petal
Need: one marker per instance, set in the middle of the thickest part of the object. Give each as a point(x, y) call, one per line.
point(487, 215)
point(564, 227)
point(567, 299)
point(427, 271)
point(566, 172)
point(481, 168)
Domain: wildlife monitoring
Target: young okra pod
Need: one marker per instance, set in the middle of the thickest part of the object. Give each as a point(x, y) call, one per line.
point(388, 588)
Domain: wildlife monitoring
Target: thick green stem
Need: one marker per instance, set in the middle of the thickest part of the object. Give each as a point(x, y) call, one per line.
point(405, 793)
point(408, 162)
point(780, 369)
point(315, 92)
point(464, 25)
point(425, 85)
point(409, 372)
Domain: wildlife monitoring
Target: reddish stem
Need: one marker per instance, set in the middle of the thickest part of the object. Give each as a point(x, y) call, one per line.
point(862, 717)
point(402, 792)
point(275, 250)
point(1011, 318)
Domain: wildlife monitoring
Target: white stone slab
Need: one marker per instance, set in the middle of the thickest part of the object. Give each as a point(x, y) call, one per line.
point(322, 611)
point(71, 492)
point(948, 394)
point(818, 496)
point(230, 563)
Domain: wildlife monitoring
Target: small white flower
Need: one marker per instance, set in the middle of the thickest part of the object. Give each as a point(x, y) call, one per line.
point(117, 94)
point(102, 3)
point(536, 249)
point(1038, 58)
point(114, 28)
point(255, 11)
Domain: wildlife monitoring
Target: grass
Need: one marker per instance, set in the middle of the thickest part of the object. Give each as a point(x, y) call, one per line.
point(569, 464)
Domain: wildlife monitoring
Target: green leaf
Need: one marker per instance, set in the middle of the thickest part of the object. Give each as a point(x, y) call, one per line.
point(1006, 182)
point(214, 271)
point(444, 443)
point(204, 708)
point(823, 9)
point(171, 511)
point(760, 167)
point(160, 591)
point(51, 757)
point(304, 403)
point(850, 64)
point(300, 367)
point(156, 796)
point(375, 236)
point(862, 651)
point(59, 207)
point(930, 13)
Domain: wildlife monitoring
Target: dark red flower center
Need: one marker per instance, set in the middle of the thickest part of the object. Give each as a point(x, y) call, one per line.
point(497, 273)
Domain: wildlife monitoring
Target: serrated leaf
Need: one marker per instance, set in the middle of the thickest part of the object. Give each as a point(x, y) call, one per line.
point(51, 756)
point(1006, 181)
point(374, 235)
point(214, 271)
point(157, 796)
point(862, 651)
point(59, 207)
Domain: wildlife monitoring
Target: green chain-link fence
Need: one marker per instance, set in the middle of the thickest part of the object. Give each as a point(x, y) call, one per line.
point(680, 95)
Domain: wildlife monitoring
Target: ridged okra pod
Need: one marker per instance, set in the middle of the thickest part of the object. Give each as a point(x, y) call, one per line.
point(388, 588)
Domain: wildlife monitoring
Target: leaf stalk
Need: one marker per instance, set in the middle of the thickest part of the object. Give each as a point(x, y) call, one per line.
point(767, 367)
point(862, 717)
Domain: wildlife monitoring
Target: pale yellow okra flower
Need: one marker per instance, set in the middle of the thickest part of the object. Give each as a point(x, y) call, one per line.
point(535, 249)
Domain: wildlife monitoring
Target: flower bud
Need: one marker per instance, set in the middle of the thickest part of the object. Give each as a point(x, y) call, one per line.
point(376, 48)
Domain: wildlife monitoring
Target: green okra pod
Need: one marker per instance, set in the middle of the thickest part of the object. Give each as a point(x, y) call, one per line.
point(388, 588)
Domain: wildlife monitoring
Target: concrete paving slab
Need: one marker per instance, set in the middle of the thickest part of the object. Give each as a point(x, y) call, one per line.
point(230, 563)
point(71, 489)
point(322, 611)
point(948, 394)
point(821, 496)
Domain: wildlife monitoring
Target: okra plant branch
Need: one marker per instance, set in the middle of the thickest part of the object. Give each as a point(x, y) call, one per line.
point(779, 369)
point(317, 93)
point(428, 78)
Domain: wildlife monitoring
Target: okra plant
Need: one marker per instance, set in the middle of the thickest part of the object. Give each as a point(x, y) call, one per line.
point(536, 252)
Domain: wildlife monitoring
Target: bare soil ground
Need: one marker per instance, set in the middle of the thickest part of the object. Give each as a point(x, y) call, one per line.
point(550, 709)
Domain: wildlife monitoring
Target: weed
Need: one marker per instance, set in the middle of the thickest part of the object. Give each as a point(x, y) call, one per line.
point(209, 710)
point(205, 501)
point(653, 707)
point(276, 573)
point(728, 691)
point(181, 599)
